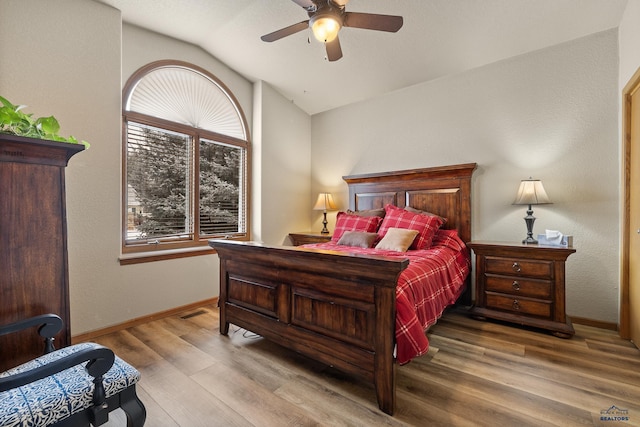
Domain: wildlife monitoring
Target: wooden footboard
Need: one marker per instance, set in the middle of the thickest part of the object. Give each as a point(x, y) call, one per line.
point(335, 308)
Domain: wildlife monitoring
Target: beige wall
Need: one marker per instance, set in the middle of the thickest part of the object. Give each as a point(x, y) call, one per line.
point(629, 44)
point(71, 58)
point(549, 114)
point(64, 58)
point(629, 53)
point(281, 168)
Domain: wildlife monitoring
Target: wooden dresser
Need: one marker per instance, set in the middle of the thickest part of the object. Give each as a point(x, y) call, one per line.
point(305, 237)
point(34, 277)
point(523, 284)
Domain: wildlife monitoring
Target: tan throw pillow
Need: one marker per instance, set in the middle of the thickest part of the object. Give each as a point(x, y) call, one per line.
point(397, 239)
point(359, 239)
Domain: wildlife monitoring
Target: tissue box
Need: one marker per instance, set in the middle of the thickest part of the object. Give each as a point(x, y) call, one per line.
point(567, 241)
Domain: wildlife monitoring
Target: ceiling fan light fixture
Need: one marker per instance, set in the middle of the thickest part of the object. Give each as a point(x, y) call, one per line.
point(325, 27)
point(327, 17)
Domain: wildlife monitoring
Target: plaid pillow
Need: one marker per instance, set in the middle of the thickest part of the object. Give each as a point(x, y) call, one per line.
point(425, 225)
point(347, 222)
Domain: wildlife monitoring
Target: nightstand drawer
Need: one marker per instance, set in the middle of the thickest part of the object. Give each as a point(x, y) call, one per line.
point(519, 305)
point(519, 286)
point(520, 267)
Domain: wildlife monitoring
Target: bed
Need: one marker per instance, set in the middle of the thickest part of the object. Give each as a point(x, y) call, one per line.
point(337, 307)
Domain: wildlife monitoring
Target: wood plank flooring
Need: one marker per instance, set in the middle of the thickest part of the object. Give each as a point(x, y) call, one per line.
point(475, 374)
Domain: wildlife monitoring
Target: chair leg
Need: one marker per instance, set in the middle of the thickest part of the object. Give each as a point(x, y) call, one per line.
point(132, 407)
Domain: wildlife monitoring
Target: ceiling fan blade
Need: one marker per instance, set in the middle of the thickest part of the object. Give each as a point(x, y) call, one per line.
point(334, 51)
point(306, 4)
point(286, 31)
point(372, 21)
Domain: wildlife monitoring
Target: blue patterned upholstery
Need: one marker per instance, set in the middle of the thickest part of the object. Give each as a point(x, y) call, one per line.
point(61, 395)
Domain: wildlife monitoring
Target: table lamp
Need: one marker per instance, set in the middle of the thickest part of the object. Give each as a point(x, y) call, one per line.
point(531, 192)
point(325, 202)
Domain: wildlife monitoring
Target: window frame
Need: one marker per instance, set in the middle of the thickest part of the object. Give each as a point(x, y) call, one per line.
point(194, 245)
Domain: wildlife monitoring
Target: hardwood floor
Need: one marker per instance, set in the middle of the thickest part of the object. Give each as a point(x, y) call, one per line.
point(475, 374)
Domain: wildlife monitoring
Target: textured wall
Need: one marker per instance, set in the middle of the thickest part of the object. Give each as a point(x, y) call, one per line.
point(550, 114)
point(629, 35)
point(281, 167)
point(67, 60)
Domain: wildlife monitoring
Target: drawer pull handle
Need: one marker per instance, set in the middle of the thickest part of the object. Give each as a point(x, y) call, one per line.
point(515, 285)
point(516, 267)
point(516, 304)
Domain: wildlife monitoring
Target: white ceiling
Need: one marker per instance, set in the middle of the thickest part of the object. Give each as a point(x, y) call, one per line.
point(439, 37)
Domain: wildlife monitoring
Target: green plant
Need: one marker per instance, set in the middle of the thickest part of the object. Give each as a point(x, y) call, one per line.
point(15, 122)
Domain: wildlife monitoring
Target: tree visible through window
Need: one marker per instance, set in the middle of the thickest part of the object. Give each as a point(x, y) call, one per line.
point(186, 160)
point(219, 188)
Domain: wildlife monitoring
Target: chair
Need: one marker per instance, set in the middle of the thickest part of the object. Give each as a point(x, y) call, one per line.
point(74, 386)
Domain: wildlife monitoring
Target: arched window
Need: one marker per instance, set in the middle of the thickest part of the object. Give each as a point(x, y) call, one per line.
point(186, 159)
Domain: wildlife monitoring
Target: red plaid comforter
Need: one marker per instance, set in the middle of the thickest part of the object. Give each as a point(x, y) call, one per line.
point(433, 281)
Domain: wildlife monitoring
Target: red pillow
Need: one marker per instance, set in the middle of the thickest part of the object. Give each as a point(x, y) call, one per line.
point(347, 222)
point(426, 225)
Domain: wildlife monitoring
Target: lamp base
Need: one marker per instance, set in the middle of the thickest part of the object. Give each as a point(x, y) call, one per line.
point(325, 230)
point(529, 220)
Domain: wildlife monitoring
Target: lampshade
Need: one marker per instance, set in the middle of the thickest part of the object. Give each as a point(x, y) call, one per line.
point(325, 27)
point(325, 203)
point(531, 192)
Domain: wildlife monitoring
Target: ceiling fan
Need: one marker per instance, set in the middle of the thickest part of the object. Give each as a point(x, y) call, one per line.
point(326, 17)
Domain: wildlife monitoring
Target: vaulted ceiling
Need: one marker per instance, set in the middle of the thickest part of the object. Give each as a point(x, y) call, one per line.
point(438, 38)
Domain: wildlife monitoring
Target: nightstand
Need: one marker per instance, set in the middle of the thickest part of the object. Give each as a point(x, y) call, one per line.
point(304, 237)
point(522, 284)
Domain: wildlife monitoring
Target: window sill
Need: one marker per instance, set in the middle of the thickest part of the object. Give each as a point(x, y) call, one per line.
point(142, 257)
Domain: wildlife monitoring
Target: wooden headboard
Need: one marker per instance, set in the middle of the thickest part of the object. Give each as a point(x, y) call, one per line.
point(444, 191)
